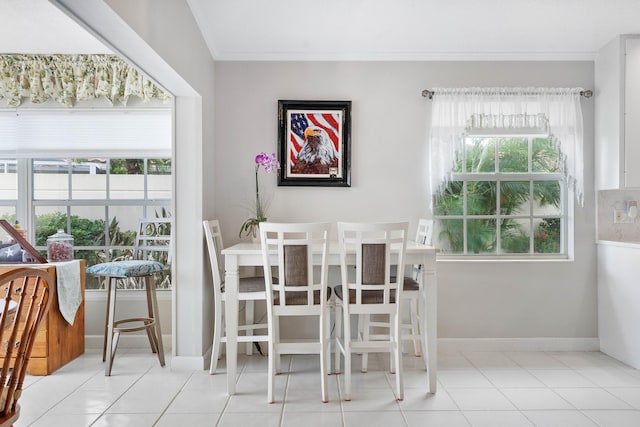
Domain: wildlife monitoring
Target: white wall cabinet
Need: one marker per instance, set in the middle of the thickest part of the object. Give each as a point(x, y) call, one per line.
point(617, 112)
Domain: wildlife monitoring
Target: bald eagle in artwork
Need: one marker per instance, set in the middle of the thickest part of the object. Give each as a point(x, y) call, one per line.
point(317, 154)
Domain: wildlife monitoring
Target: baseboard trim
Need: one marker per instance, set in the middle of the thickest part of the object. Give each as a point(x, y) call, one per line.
point(518, 344)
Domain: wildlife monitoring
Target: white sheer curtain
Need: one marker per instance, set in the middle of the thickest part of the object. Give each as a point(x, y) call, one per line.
point(505, 109)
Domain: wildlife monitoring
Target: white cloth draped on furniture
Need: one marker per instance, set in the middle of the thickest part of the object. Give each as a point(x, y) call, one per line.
point(506, 110)
point(68, 287)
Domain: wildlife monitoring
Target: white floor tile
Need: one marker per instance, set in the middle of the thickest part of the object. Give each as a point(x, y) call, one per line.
point(416, 400)
point(591, 398)
point(128, 420)
point(64, 420)
point(190, 420)
point(373, 419)
point(463, 378)
point(311, 419)
point(631, 395)
point(507, 378)
point(615, 418)
point(480, 399)
point(610, 377)
point(436, 419)
point(535, 398)
point(561, 378)
point(559, 419)
point(234, 419)
point(497, 419)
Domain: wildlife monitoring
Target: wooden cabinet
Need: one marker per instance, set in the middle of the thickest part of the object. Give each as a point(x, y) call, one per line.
point(58, 342)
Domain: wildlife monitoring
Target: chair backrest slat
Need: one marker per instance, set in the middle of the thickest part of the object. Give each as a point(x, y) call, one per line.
point(213, 237)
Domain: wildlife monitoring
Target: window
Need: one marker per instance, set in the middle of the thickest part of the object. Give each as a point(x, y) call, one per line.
point(97, 200)
point(506, 197)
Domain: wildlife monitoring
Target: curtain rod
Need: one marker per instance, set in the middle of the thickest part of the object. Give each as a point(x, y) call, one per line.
point(429, 93)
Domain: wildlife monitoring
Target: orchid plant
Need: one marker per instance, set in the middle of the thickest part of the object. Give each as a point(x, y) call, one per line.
point(270, 164)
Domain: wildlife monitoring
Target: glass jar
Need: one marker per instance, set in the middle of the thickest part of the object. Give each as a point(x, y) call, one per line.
point(60, 247)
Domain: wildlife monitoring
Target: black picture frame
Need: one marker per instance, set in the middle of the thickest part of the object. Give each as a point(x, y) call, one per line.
point(314, 143)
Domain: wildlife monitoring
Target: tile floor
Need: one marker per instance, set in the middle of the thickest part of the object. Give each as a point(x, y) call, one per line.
point(475, 389)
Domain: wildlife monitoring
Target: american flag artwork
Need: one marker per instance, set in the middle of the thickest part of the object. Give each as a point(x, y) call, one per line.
point(326, 125)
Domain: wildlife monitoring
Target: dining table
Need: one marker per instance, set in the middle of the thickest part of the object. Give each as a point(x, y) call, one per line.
point(249, 254)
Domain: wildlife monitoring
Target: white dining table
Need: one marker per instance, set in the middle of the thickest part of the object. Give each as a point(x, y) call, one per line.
point(250, 254)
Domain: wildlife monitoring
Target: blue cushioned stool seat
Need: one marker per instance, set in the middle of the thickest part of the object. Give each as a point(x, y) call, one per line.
point(129, 268)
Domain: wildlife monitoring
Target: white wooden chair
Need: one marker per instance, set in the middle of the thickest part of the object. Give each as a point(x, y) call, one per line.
point(299, 290)
point(411, 292)
point(251, 289)
point(411, 331)
point(378, 248)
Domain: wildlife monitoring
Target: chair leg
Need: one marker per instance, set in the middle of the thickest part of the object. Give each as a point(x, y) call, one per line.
point(248, 320)
point(106, 320)
point(111, 311)
point(272, 357)
point(347, 355)
point(338, 334)
point(153, 342)
point(398, 356)
point(366, 331)
point(415, 327)
point(394, 326)
point(275, 333)
point(218, 329)
point(150, 285)
point(324, 357)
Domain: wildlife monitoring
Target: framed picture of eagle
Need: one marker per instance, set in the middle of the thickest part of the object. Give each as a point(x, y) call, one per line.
point(314, 147)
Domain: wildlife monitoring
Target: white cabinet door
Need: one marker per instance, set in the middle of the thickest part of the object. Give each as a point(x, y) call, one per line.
point(632, 113)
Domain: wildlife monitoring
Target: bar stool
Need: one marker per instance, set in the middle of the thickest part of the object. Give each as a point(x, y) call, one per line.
point(153, 239)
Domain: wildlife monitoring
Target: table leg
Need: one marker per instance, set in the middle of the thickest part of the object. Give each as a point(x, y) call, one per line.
point(429, 301)
point(231, 319)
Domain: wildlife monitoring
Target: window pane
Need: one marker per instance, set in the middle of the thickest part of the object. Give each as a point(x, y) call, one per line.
point(481, 198)
point(547, 195)
point(87, 225)
point(481, 236)
point(450, 235)
point(8, 213)
point(89, 179)
point(547, 236)
point(513, 154)
point(127, 179)
point(159, 166)
point(515, 198)
point(514, 236)
point(450, 202)
point(8, 179)
point(50, 179)
point(124, 223)
point(49, 219)
point(481, 155)
point(544, 156)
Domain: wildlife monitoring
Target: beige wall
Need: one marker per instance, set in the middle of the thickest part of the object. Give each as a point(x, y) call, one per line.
point(494, 299)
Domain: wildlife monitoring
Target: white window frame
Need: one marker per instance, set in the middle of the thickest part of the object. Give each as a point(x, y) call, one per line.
point(498, 177)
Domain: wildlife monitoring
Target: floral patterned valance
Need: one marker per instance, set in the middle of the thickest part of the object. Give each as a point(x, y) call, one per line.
point(68, 79)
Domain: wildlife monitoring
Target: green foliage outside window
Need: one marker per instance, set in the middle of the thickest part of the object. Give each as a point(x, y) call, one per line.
point(485, 210)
